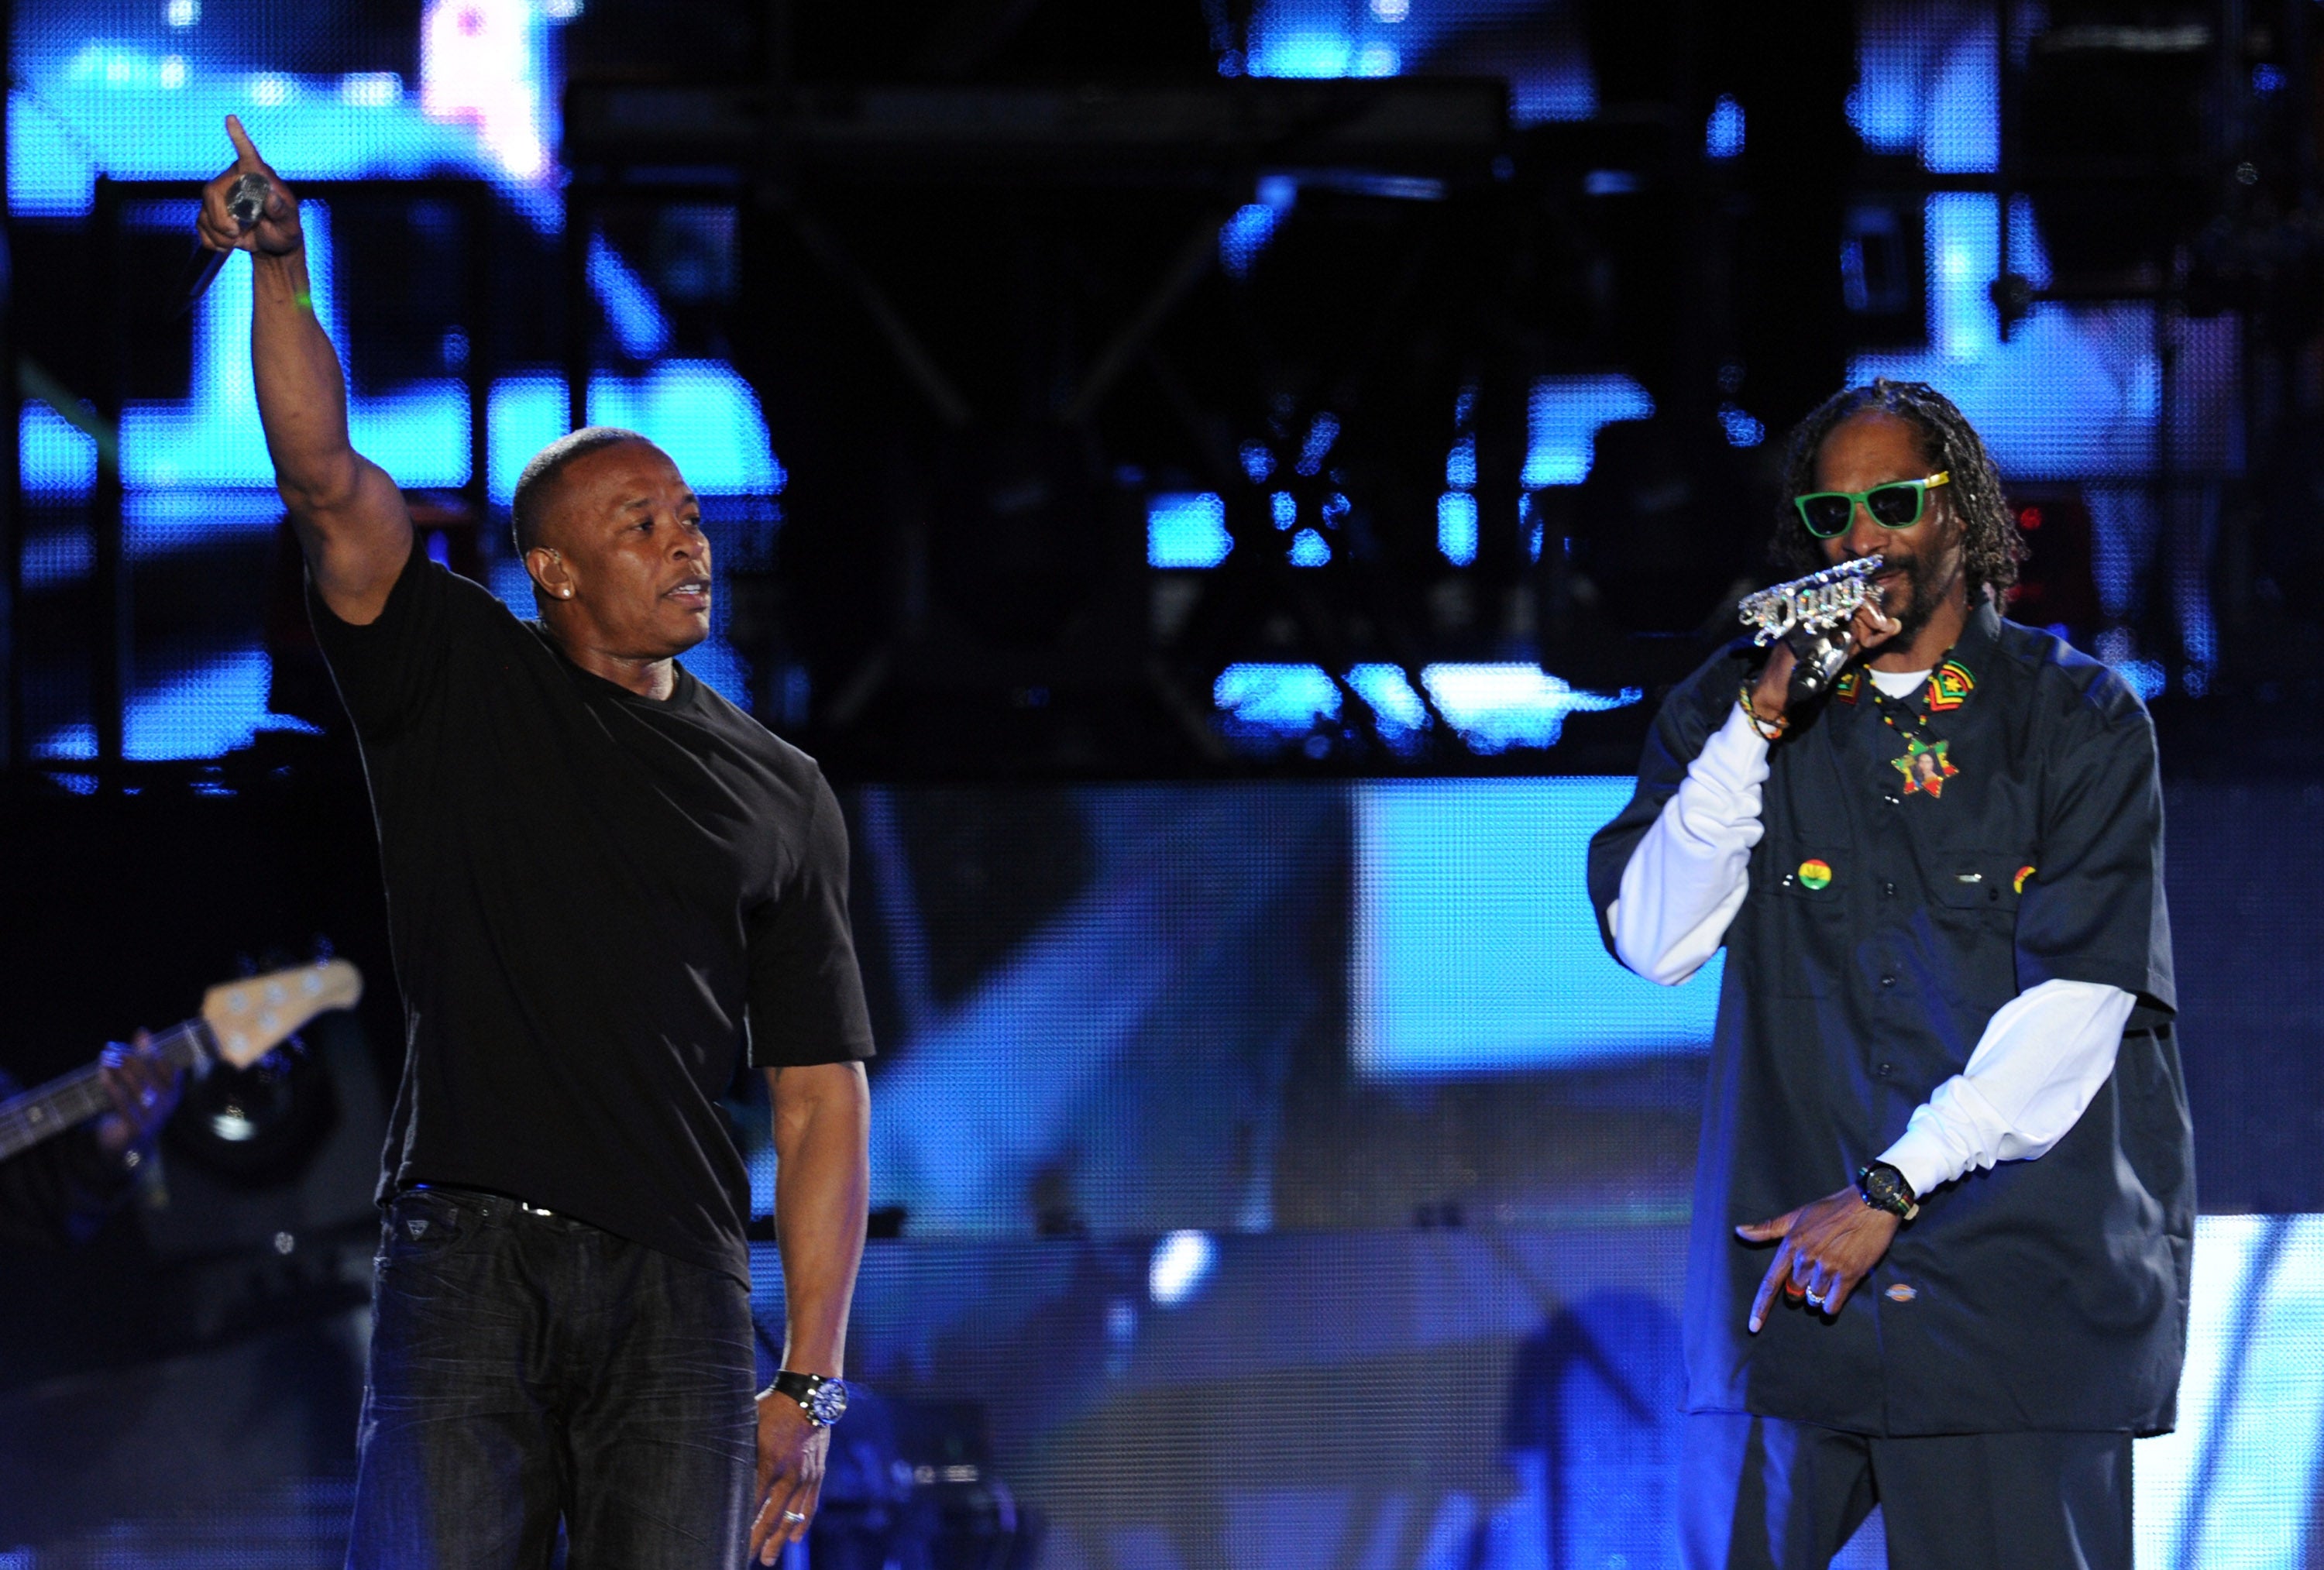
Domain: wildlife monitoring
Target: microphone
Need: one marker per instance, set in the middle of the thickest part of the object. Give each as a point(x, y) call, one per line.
point(245, 204)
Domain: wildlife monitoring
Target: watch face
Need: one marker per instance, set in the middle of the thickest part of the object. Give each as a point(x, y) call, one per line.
point(829, 1401)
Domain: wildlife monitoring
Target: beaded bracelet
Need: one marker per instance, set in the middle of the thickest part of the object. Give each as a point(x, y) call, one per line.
point(1768, 730)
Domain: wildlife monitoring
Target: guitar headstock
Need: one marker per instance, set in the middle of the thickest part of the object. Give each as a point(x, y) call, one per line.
point(250, 1017)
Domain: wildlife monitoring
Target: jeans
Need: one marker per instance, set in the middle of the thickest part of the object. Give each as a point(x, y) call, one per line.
point(527, 1368)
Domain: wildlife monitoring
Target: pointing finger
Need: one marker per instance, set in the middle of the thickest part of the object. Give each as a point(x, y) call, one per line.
point(1775, 1272)
point(247, 154)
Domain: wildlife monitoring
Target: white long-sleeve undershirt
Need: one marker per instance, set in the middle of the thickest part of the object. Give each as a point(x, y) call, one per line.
point(2043, 1055)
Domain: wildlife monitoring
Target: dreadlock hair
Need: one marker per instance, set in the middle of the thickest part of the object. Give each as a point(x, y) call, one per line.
point(1991, 547)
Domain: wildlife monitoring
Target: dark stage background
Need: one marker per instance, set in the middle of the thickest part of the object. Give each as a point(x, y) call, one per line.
point(1222, 487)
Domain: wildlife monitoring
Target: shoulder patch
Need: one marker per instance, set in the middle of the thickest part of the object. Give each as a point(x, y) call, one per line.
point(1850, 685)
point(1950, 686)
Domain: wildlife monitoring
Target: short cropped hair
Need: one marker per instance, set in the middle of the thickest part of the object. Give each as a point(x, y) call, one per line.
point(536, 488)
point(1991, 546)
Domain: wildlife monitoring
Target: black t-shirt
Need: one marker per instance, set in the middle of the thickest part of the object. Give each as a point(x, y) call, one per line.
point(598, 903)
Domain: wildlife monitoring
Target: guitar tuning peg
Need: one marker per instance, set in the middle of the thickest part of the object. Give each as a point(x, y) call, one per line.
point(322, 949)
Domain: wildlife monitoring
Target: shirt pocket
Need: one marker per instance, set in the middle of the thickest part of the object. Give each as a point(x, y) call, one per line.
point(1974, 896)
point(1799, 938)
point(1988, 882)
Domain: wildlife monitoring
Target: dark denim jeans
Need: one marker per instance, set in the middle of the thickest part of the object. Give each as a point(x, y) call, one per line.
point(528, 1368)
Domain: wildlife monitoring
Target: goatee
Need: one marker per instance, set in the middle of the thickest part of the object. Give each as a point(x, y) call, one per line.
point(1925, 592)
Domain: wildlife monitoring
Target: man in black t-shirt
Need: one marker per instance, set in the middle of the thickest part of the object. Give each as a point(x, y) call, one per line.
point(606, 885)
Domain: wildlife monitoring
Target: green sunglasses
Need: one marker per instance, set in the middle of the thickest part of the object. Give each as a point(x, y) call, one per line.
point(1895, 505)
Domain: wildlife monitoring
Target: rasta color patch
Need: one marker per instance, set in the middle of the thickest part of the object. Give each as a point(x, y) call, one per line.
point(1814, 874)
point(1950, 686)
point(1849, 683)
point(1925, 768)
point(2017, 884)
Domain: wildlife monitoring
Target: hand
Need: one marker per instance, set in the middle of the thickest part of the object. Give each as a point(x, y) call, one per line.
point(1871, 626)
point(791, 1452)
point(1827, 1247)
point(276, 232)
point(144, 1090)
point(1771, 696)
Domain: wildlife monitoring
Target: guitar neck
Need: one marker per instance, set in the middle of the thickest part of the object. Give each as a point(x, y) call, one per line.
point(74, 1098)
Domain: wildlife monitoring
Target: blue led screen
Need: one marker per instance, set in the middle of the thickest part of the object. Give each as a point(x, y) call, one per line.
point(1475, 946)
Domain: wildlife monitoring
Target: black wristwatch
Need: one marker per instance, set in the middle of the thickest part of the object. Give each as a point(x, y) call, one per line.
point(823, 1398)
point(1883, 1187)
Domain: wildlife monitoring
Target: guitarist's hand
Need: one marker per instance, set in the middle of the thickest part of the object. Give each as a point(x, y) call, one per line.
point(144, 1091)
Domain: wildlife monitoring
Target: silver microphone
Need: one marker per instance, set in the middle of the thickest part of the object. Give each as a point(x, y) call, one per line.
point(1815, 604)
point(245, 204)
point(1810, 614)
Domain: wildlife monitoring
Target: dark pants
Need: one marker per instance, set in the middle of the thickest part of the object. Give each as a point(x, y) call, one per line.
point(1758, 1493)
point(526, 1368)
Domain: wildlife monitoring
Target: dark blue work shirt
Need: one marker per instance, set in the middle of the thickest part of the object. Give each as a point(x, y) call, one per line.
point(1923, 862)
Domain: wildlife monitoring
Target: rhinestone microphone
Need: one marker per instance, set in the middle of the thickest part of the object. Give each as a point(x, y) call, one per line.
point(1817, 604)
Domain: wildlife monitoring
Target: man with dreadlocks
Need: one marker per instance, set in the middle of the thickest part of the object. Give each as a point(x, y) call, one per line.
point(1943, 1208)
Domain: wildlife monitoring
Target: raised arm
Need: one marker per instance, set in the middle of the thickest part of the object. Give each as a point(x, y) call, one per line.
point(350, 516)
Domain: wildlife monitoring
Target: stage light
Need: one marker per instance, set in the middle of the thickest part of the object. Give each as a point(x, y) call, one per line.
point(1302, 54)
point(1565, 413)
point(372, 89)
point(1461, 463)
point(631, 309)
point(1723, 135)
point(1322, 432)
point(1246, 234)
point(1182, 1261)
point(1742, 430)
point(1494, 707)
point(1186, 531)
point(1497, 707)
point(1922, 91)
point(1274, 700)
point(1456, 526)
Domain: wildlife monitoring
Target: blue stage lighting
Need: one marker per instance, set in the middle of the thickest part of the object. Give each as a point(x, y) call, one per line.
point(1565, 414)
point(1456, 526)
point(1723, 135)
point(1186, 530)
point(1182, 1261)
point(1476, 948)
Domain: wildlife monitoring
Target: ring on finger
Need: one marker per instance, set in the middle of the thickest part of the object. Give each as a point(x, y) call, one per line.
point(794, 1516)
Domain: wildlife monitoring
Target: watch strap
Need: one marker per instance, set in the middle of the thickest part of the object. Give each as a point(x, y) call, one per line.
point(820, 1396)
point(1883, 1187)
